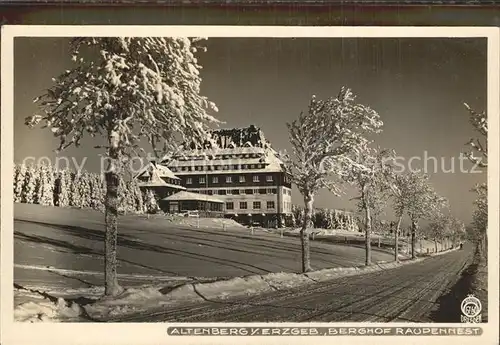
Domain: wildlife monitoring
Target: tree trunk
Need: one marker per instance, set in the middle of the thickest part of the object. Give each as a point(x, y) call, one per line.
point(413, 237)
point(396, 239)
point(112, 288)
point(368, 229)
point(304, 236)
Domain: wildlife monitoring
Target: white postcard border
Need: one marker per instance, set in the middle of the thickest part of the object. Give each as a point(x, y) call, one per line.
point(155, 333)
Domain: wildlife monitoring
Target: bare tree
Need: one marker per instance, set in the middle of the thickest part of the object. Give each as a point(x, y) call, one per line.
point(128, 90)
point(323, 139)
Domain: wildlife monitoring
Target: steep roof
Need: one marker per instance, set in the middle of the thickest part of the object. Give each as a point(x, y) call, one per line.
point(156, 171)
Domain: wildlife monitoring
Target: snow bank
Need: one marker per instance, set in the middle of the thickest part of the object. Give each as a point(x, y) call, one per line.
point(235, 287)
point(135, 300)
point(280, 281)
point(34, 307)
point(444, 252)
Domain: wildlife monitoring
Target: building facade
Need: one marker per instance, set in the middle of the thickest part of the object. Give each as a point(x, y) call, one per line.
point(160, 179)
point(243, 170)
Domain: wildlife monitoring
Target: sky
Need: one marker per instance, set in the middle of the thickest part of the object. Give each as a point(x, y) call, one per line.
point(417, 85)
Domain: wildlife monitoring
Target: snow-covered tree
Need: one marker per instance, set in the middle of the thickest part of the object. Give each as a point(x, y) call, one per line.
point(370, 177)
point(30, 185)
point(480, 216)
point(323, 139)
point(19, 180)
point(127, 89)
point(96, 195)
point(436, 229)
point(85, 189)
point(45, 193)
point(422, 202)
point(478, 154)
point(75, 190)
point(400, 188)
point(136, 197)
point(63, 188)
point(478, 147)
point(150, 202)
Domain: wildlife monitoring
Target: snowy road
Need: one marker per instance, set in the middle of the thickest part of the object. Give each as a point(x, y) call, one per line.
point(71, 239)
point(406, 294)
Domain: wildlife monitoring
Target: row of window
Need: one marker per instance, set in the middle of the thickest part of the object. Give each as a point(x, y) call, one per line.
point(229, 179)
point(217, 157)
point(238, 191)
point(256, 205)
point(218, 167)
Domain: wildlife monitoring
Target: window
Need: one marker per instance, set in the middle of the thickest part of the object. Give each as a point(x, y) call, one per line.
point(189, 180)
point(256, 205)
point(269, 178)
point(222, 192)
point(245, 166)
point(270, 204)
point(183, 168)
point(236, 167)
point(215, 179)
point(243, 205)
point(229, 179)
point(210, 192)
point(235, 191)
point(248, 191)
point(262, 191)
point(252, 166)
point(256, 191)
point(271, 191)
point(242, 179)
point(202, 180)
point(229, 206)
point(256, 178)
point(190, 169)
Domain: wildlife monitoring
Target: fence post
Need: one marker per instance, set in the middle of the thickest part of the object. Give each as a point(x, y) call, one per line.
point(281, 232)
point(223, 226)
point(198, 223)
point(313, 236)
point(379, 242)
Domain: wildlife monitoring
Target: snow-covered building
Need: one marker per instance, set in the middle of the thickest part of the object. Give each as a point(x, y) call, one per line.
point(243, 171)
point(160, 179)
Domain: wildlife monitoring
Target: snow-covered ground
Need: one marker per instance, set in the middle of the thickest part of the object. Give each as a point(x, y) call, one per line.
point(87, 304)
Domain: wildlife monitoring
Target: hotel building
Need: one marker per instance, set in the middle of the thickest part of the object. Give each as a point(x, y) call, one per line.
point(243, 171)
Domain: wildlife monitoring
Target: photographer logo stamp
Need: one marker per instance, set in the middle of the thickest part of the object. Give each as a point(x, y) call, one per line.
point(471, 309)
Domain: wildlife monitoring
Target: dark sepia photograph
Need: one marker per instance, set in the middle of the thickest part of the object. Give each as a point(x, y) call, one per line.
point(250, 179)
